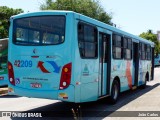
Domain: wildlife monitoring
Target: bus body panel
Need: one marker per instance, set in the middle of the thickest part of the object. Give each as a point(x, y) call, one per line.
point(39, 68)
point(123, 70)
point(86, 72)
point(65, 95)
point(89, 80)
point(44, 70)
point(144, 68)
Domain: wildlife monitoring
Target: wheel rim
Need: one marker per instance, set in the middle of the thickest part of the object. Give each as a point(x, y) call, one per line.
point(115, 92)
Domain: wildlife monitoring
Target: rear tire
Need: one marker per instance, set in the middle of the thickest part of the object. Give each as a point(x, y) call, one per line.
point(144, 85)
point(115, 92)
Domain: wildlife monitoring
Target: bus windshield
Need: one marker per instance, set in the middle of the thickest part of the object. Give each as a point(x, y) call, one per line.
point(41, 30)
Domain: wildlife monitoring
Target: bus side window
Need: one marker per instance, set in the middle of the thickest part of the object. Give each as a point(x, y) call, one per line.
point(127, 48)
point(142, 51)
point(145, 51)
point(148, 52)
point(80, 39)
point(117, 47)
point(87, 41)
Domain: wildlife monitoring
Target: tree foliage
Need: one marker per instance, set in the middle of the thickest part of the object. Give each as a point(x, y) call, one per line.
point(149, 35)
point(91, 8)
point(5, 14)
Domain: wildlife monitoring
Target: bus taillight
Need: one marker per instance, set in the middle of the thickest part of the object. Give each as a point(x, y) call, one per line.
point(11, 74)
point(65, 76)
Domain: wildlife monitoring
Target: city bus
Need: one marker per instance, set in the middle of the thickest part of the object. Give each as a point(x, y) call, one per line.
point(3, 62)
point(63, 55)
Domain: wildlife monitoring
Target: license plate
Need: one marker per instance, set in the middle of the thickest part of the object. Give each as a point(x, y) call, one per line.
point(36, 85)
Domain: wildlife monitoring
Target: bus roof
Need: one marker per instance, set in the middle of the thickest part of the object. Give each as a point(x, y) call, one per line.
point(85, 18)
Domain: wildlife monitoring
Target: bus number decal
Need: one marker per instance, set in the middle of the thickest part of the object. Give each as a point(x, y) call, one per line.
point(23, 63)
point(17, 63)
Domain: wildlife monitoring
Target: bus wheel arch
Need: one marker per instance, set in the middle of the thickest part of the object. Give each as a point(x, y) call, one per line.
point(115, 90)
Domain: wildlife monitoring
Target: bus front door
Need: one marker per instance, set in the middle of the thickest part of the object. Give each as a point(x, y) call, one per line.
point(104, 64)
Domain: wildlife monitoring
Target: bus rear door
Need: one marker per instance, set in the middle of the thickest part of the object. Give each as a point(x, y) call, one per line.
point(135, 63)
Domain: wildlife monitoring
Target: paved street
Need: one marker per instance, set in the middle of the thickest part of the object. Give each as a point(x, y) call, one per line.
point(145, 100)
point(137, 100)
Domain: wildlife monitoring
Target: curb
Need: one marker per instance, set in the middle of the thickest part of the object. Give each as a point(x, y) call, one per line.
point(3, 90)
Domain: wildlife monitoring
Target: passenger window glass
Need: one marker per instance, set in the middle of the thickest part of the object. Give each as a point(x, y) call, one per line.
point(51, 39)
point(125, 43)
point(87, 37)
point(127, 48)
point(129, 44)
point(41, 30)
point(128, 54)
point(88, 34)
point(117, 46)
point(118, 41)
point(118, 52)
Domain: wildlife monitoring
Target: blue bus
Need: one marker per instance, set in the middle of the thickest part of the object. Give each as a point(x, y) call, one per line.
point(67, 56)
point(3, 62)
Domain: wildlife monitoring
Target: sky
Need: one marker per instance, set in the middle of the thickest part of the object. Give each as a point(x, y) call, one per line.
point(133, 16)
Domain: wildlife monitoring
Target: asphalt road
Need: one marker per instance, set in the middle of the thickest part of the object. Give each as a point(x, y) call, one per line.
point(139, 100)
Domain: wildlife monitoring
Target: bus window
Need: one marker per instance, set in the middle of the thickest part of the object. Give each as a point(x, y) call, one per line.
point(125, 42)
point(87, 39)
point(48, 30)
point(127, 45)
point(148, 52)
point(117, 47)
point(143, 52)
point(51, 38)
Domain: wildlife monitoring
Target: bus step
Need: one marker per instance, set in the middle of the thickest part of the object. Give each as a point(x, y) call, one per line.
point(134, 87)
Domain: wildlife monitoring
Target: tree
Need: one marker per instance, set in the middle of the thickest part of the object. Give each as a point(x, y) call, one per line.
point(5, 14)
point(91, 8)
point(149, 35)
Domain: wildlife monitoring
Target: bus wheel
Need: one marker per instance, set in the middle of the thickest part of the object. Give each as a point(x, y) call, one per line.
point(115, 92)
point(144, 85)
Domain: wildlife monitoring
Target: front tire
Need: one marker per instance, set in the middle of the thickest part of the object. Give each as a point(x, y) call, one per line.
point(115, 92)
